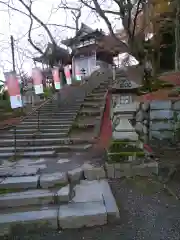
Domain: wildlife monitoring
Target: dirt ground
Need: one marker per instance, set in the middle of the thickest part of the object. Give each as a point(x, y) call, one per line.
point(147, 212)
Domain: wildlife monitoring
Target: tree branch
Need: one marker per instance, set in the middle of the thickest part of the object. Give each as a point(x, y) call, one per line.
point(39, 21)
point(29, 34)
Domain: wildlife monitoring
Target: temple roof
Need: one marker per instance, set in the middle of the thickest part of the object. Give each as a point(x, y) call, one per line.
point(55, 54)
point(106, 42)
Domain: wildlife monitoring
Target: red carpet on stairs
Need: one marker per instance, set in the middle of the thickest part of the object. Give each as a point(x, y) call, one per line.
point(106, 128)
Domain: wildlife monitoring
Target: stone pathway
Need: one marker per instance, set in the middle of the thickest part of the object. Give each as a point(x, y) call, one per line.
point(43, 185)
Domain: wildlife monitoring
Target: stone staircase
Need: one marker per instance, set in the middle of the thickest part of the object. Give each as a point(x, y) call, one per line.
point(51, 183)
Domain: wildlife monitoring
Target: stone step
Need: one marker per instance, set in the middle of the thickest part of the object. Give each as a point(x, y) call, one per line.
point(50, 121)
point(60, 147)
point(45, 126)
point(93, 205)
point(29, 154)
point(34, 135)
point(38, 197)
point(45, 130)
point(50, 118)
point(42, 142)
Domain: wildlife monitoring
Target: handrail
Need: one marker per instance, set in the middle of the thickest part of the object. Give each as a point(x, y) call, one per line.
point(9, 126)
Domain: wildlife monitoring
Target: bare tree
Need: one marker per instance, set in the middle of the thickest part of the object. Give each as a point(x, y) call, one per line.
point(33, 18)
point(128, 12)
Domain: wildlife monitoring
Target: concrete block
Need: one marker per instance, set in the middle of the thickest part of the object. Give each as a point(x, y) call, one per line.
point(93, 173)
point(158, 126)
point(122, 170)
point(132, 136)
point(86, 214)
point(20, 182)
point(110, 170)
point(63, 194)
point(75, 174)
point(29, 220)
point(176, 105)
point(27, 198)
point(161, 135)
point(51, 179)
point(161, 114)
point(88, 192)
point(158, 105)
point(109, 201)
point(145, 169)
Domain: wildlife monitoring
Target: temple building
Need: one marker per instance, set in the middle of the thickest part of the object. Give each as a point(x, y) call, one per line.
point(92, 49)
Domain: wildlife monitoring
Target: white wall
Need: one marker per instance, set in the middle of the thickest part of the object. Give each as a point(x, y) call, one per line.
point(86, 62)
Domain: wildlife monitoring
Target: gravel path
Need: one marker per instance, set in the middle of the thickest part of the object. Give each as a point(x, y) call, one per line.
point(147, 212)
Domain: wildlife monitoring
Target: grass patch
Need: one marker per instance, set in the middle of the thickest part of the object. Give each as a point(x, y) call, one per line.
point(123, 156)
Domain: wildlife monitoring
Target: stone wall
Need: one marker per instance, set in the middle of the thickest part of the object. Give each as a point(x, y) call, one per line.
point(157, 119)
point(163, 119)
point(142, 120)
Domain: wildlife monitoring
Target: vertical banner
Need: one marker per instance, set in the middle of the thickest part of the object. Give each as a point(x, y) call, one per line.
point(78, 74)
point(68, 75)
point(56, 78)
point(14, 91)
point(37, 80)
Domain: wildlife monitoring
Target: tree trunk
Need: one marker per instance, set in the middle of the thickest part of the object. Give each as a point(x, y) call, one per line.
point(177, 36)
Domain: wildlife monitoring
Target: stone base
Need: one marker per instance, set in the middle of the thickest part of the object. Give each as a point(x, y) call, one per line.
point(119, 170)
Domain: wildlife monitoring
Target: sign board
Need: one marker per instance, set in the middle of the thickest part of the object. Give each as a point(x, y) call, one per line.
point(56, 78)
point(68, 75)
point(37, 80)
point(14, 91)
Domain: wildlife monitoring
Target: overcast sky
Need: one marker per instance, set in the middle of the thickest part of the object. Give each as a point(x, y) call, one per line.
point(16, 24)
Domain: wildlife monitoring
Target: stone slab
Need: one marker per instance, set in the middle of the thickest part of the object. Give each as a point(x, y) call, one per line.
point(20, 182)
point(156, 104)
point(132, 136)
point(110, 170)
point(161, 114)
point(27, 198)
point(63, 194)
point(85, 214)
point(49, 180)
point(156, 126)
point(93, 173)
point(109, 201)
point(31, 220)
point(124, 126)
point(176, 105)
point(130, 107)
point(161, 135)
point(75, 174)
point(88, 193)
